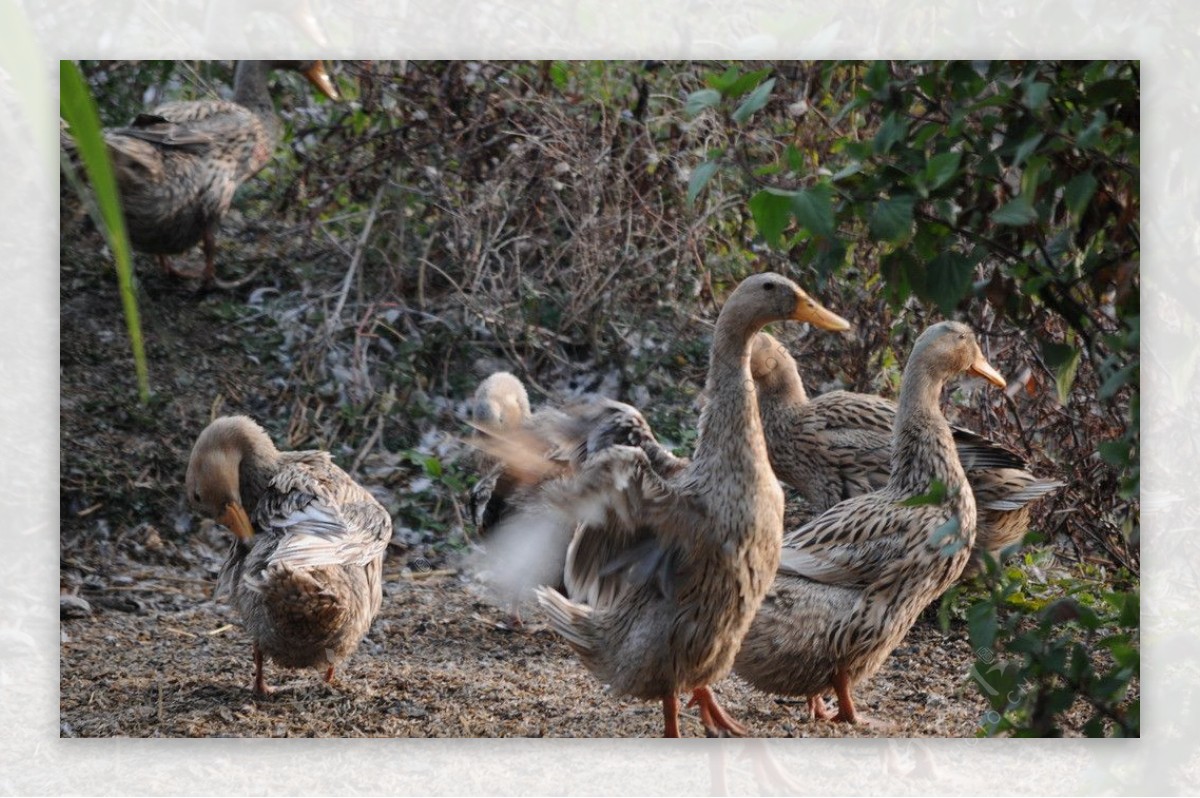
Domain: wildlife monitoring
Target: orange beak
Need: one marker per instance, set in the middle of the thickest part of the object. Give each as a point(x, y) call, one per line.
point(808, 310)
point(318, 77)
point(236, 521)
point(981, 368)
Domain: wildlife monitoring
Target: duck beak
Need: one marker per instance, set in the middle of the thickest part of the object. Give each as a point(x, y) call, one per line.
point(981, 368)
point(808, 310)
point(236, 521)
point(318, 77)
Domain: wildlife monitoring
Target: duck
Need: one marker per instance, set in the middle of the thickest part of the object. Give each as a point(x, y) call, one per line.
point(178, 166)
point(500, 403)
point(664, 574)
point(838, 445)
point(561, 439)
point(305, 569)
point(852, 581)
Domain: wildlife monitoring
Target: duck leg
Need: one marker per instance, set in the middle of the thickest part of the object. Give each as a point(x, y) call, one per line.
point(716, 721)
point(670, 716)
point(841, 685)
point(165, 263)
point(260, 684)
point(329, 675)
point(816, 706)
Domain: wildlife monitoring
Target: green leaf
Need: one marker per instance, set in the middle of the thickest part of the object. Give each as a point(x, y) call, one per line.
point(1130, 616)
point(877, 75)
point(948, 278)
point(982, 625)
point(1115, 453)
point(891, 132)
point(723, 81)
point(1078, 192)
point(1026, 147)
point(829, 256)
point(892, 219)
point(1063, 360)
point(559, 74)
point(699, 179)
point(1035, 95)
point(770, 209)
point(697, 101)
point(941, 168)
point(1091, 134)
point(899, 269)
point(813, 209)
point(795, 159)
point(935, 495)
point(1015, 212)
point(433, 467)
point(79, 111)
point(944, 607)
point(947, 538)
point(741, 83)
point(757, 99)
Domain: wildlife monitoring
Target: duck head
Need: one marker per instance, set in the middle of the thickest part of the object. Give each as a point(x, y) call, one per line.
point(214, 480)
point(764, 298)
point(951, 347)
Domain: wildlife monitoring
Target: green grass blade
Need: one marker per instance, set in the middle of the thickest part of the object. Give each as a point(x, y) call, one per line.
point(79, 111)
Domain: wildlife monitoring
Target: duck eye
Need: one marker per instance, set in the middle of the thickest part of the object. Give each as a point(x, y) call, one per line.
point(769, 287)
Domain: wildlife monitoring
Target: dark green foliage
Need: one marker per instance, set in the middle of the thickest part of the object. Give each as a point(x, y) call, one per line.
point(998, 190)
point(1043, 648)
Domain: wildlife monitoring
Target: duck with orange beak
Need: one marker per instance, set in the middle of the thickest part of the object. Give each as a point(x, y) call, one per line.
point(852, 581)
point(178, 166)
point(305, 567)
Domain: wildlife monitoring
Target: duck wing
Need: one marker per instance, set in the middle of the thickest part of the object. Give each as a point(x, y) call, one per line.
point(853, 542)
point(630, 526)
point(977, 453)
point(321, 516)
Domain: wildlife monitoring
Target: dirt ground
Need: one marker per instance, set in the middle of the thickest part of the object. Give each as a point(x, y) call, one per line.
point(159, 658)
point(148, 653)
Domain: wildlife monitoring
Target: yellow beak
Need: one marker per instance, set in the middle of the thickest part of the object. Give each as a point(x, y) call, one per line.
point(981, 368)
point(808, 310)
point(318, 77)
point(236, 521)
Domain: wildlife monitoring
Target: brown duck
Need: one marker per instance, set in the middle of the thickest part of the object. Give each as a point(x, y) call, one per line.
point(560, 439)
point(305, 569)
point(839, 445)
point(852, 581)
point(178, 166)
point(665, 574)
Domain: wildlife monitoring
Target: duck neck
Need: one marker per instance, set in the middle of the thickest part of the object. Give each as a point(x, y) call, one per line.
point(730, 421)
point(258, 465)
point(923, 446)
point(250, 87)
point(781, 393)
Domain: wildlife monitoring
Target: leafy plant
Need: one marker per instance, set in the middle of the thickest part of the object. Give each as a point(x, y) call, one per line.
point(1002, 190)
point(1042, 649)
point(79, 111)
